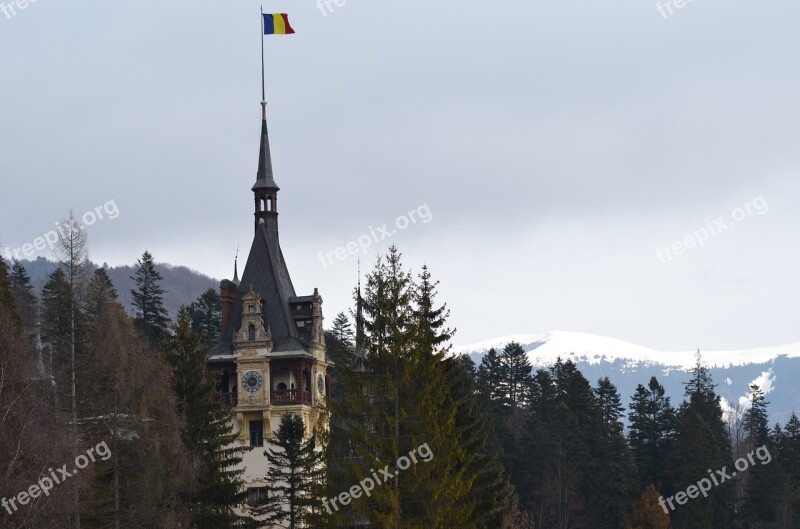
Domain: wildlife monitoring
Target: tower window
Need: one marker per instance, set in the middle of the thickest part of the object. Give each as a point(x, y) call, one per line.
point(251, 309)
point(251, 332)
point(256, 433)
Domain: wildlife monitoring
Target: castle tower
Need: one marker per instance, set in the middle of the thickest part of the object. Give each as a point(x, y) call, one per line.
point(271, 357)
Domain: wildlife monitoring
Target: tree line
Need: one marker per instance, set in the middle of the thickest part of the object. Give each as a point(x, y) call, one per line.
point(76, 370)
point(510, 446)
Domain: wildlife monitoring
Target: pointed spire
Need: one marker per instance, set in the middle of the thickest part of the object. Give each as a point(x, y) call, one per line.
point(236, 268)
point(264, 178)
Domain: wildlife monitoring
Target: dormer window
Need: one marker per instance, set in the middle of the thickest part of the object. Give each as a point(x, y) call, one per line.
point(251, 332)
point(251, 309)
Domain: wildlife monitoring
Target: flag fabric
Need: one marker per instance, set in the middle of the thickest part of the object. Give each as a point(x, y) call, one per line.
point(277, 24)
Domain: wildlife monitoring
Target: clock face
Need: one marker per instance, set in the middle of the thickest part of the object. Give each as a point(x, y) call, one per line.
point(252, 381)
point(320, 384)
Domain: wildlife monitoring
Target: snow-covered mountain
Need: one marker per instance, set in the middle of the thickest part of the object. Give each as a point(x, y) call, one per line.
point(775, 369)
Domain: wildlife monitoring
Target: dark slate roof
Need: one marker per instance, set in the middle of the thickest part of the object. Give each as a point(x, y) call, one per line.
point(266, 271)
point(264, 178)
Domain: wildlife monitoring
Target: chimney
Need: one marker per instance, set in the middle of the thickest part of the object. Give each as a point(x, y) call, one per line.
point(227, 294)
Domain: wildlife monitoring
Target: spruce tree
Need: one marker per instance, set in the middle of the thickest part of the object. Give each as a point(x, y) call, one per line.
point(22, 290)
point(206, 432)
point(614, 471)
point(565, 425)
point(295, 466)
point(702, 443)
point(489, 377)
point(759, 505)
point(516, 375)
point(480, 460)
point(205, 314)
point(398, 400)
point(100, 292)
point(651, 432)
point(789, 459)
point(151, 318)
point(57, 331)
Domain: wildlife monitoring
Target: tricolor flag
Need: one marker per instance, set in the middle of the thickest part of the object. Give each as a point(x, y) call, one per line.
point(277, 24)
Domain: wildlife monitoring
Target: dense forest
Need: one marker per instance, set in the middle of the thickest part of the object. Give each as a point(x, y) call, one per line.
point(110, 420)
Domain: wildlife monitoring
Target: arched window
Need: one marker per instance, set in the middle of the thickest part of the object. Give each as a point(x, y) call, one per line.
point(251, 332)
point(281, 386)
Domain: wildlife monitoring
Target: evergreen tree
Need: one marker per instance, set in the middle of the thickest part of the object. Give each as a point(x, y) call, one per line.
point(759, 505)
point(563, 432)
point(788, 456)
point(480, 459)
point(151, 317)
point(516, 375)
point(22, 290)
point(489, 377)
point(57, 330)
point(651, 432)
point(340, 340)
point(206, 432)
point(614, 472)
point(702, 443)
point(295, 466)
point(205, 314)
point(399, 400)
point(100, 292)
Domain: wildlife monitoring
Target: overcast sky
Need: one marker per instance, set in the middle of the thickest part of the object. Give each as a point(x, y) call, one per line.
point(556, 146)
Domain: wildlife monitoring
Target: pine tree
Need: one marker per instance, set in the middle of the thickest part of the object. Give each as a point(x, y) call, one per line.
point(57, 329)
point(702, 442)
point(295, 466)
point(759, 505)
point(206, 432)
point(562, 438)
point(398, 400)
point(100, 292)
point(22, 290)
point(651, 432)
point(789, 459)
point(485, 500)
point(614, 473)
point(516, 375)
point(205, 314)
point(489, 377)
point(340, 340)
point(151, 317)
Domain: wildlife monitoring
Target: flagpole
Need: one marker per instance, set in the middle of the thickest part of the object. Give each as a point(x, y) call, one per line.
point(263, 89)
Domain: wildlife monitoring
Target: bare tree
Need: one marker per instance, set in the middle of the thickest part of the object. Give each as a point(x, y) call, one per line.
point(71, 252)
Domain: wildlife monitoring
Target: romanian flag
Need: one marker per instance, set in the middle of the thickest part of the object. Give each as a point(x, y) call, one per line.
point(277, 24)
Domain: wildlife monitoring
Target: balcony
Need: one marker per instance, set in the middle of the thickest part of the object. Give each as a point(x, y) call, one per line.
point(290, 396)
point(227, 399)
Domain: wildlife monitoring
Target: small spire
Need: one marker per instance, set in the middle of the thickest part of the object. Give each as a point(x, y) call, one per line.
point(236, 267)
